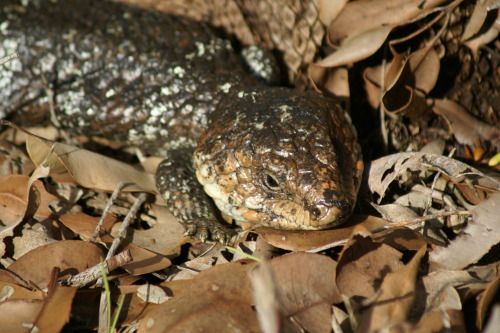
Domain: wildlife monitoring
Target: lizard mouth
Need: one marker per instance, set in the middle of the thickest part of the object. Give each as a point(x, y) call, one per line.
point(288, 215)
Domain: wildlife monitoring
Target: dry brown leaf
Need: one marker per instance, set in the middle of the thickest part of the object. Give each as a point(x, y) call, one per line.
point(486, 300)
point(144, 261)
point(358, 16)
point(89, 169)
point(17, 203)
point(332, 80)
point(265, 298)
point(475, 43)
point(14, 190)
point(394, 302)
point(305, 240)
point(402, 239)
point(84, 225)
point(16, 315)
point(372, 76)
point(467, 129)
point(476, 20)
point(407, 78)
point(356, 47)
point(18, 292)
point(328, 10)
point(363, 264)
point(56, 309)
point(436, 321)
point(161, 237)
point(401, 166)
point(306, 289)
point(71, 256)
point(216, 300)
point(474, 241)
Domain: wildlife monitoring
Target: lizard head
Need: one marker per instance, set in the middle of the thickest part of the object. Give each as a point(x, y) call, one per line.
point(281, 158)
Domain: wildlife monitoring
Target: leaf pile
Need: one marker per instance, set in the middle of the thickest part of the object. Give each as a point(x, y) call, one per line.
point(421, 253)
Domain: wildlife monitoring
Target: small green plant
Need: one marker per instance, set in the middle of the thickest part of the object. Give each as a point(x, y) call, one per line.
point(110, 326)
point(246, 255)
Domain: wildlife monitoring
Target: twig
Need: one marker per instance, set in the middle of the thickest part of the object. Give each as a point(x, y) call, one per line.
point(8, 58)
point(111, 201)
point(103, 305)
point(126, 222)
point(93, 273)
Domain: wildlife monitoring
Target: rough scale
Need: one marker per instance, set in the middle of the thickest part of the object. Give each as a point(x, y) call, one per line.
point(266, 155)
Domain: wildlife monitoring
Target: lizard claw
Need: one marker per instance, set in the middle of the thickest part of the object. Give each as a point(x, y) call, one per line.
point(204, 230)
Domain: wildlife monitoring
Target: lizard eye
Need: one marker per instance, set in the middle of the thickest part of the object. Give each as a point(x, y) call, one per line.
point(271, 182)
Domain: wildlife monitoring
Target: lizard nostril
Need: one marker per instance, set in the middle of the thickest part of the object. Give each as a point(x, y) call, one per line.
point(316, 212)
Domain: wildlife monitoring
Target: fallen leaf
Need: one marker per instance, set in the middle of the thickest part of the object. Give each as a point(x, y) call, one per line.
point(306, 289)
point(161, 237)
point(475, 240)
point(363, 264)
point(486, 300)
point(466, 129)
point(356, 47)
point(394, 302)
point(328, 10)
point(476, 20)
point(71, 256)
point(440, 321)
point(89, 169)
point(306, 240)
point(216, 300)
point(358, 16)
point(56, 309)
point(403, 166)
point(17, 315)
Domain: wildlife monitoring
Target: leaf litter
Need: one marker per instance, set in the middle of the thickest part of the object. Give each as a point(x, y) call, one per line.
point(419, 254)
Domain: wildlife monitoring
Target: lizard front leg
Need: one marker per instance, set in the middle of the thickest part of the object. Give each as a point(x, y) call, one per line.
point(194, 209)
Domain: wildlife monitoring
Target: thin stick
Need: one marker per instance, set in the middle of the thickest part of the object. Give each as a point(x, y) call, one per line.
point(8, 58)
point(126, 223)
point(111, 201)
point(93, 273)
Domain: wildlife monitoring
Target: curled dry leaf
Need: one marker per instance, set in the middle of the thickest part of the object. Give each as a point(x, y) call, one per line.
point(356, 47)
point(358, 16)
point(144, 261)
point(467, 129)
point(487, 299)
point(383, 171)
point(475, 240)
point(477, 19)
point(19, 200)
point(414, 75)
point(406, 80)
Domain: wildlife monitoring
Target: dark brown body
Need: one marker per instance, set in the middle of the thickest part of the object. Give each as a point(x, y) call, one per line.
point(271, 156)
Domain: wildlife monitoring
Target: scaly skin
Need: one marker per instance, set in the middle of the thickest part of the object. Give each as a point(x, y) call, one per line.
point(266, 155)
